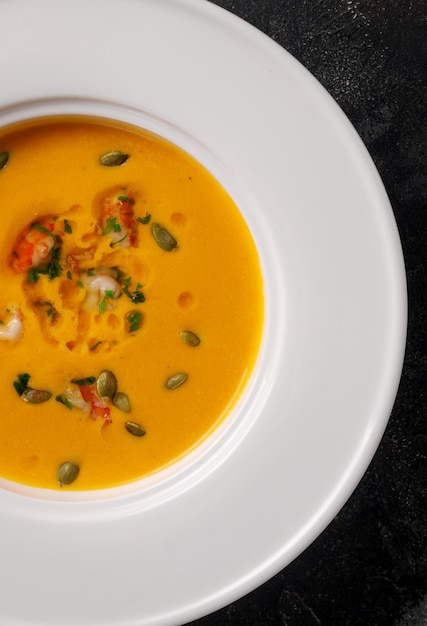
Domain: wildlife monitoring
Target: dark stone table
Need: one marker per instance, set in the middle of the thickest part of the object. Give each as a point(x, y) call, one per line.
point(369, 567)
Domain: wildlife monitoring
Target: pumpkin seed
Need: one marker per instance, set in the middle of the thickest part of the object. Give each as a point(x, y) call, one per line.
point(4, 158)
point(113, 158)
point(135, 429)
point(163, 238)
point(106, 384)
point(67, 473)
point(121, 401)
point(35, 396)
point(176, 380)
point(189, 338)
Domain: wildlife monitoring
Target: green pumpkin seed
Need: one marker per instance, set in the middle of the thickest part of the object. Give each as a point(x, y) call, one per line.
point(163, 238)
point(176, 380)
point(121, 401)
point(135, 429)
point(113, 158)
point(67, 473)
point(4, 158)
point(189, 338)
point(106, 384)
point(35, 396)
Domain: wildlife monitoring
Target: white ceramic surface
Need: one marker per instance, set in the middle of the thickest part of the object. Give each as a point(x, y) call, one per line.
point(240, 509)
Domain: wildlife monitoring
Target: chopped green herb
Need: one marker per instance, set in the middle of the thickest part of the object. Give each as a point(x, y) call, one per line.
point(69, 275)
point(102, 306)
point(33, 275)
point(50, 310)
point(84, 382)
point(67, 227)
point(65, 401)
point(126, 199)
point(114, 243)
point(135, 296)
point(43, 229)
point(145, 219)
point(21, 383)
point(96, 345)
point(134, 320)
point(52, 313)
point(54, 269)
point(80, 284)
point(112, 226)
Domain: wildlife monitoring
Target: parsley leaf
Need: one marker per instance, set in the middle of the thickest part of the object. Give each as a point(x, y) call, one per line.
point(135, 296)
point(33, 275)
point(134, 320)
point(84, 382)
point(126, 199)
point(22, 383)
point(65, 401)
point(102, 306)
point(113, 243)
point(112, 226)
point(44, 230)
point(95, 345)
point(50, 310)
point(145, 219)
point(54, 269)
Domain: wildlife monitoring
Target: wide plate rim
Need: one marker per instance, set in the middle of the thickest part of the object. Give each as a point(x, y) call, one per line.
point(210, 20)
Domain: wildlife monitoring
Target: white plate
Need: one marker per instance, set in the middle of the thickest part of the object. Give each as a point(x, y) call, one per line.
point(242, 508)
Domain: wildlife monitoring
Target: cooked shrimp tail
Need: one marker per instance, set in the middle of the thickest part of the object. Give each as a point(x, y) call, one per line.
point(33, 247)
point(117, 219)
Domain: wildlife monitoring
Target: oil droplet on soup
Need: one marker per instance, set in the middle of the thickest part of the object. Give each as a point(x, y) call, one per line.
point(131, 310)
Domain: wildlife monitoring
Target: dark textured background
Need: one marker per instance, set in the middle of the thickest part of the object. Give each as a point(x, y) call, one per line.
point(369, 567)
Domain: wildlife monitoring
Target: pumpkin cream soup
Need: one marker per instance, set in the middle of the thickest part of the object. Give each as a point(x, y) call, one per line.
point(131, 306)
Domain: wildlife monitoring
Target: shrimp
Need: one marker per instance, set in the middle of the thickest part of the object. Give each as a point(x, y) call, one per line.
point(34, 246)
point(117, 219)
point(98, 408)
point(13, 328)
point(101, 287)
point(73, 397)
point(86, 399)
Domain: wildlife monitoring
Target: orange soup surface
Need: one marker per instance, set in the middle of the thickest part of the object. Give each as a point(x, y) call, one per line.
point(131, 307)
